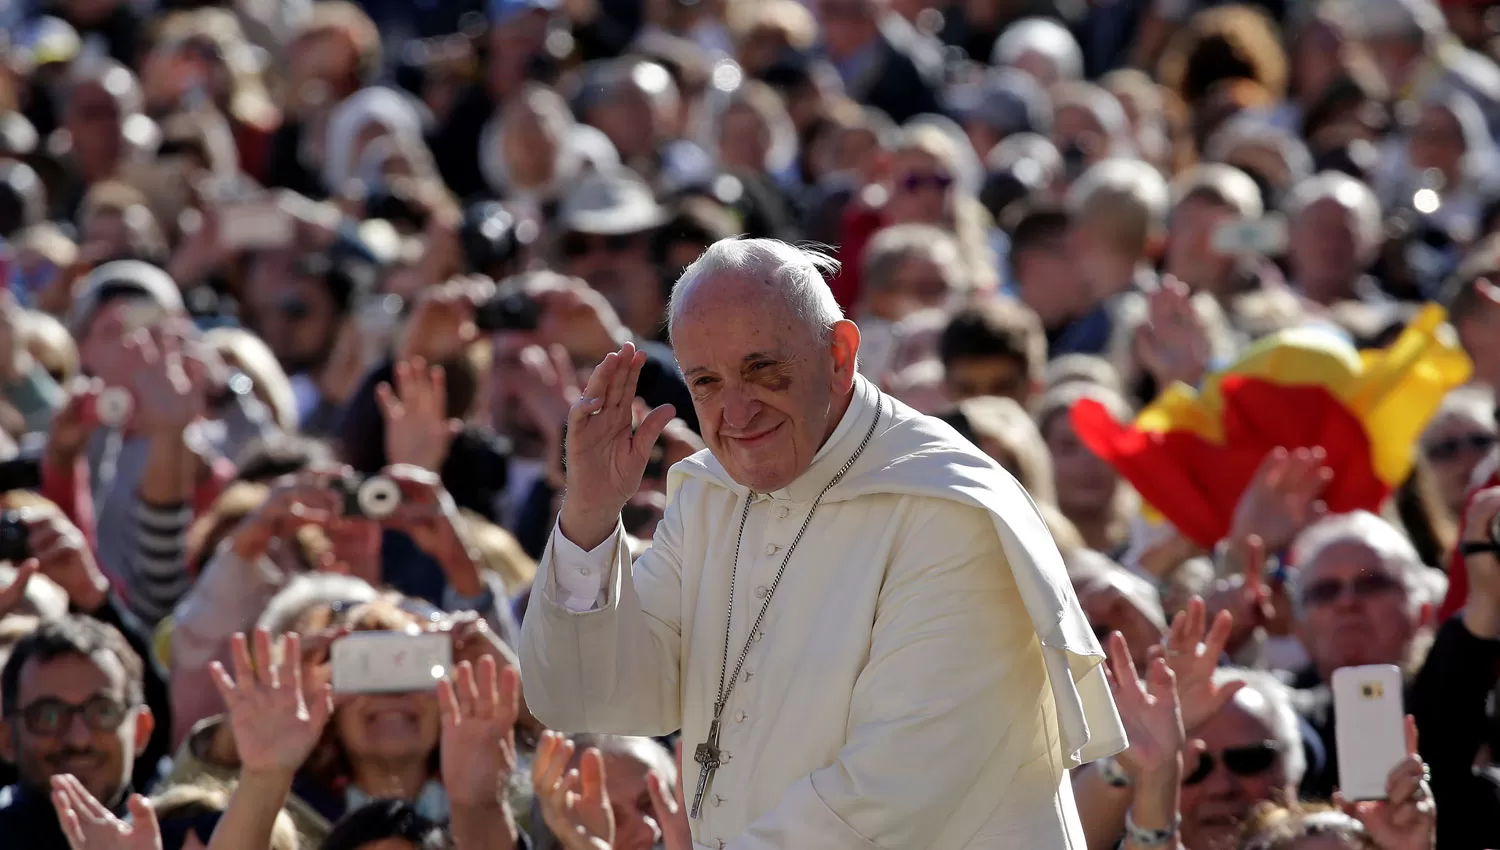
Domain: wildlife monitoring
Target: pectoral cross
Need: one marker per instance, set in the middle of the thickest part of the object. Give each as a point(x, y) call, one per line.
point(707, 757)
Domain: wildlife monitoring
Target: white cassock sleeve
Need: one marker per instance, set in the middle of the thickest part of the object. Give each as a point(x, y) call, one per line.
point(606, 663)
point(955, 683)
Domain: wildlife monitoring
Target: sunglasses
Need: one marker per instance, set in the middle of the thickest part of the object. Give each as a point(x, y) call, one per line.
point(1445, 450)
point(575, 245)
point(1367, 586)
point(1240, 761)
point(49, 718)
point(917, 181)
point(175, 831)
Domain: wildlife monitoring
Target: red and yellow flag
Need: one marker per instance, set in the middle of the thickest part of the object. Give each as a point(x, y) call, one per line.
point(1190, 454)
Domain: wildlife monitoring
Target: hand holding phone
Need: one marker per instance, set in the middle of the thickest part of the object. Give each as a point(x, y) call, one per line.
point(1369, 727)
point(390, 662)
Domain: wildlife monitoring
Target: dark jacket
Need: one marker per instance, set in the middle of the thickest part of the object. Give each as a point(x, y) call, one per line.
point(904, 77)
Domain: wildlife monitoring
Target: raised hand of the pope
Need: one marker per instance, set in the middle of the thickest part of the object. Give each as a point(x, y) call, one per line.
point(605, 455)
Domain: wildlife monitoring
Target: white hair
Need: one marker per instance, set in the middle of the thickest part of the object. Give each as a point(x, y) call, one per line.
point(1040, 35)
point(1473, 402)
point(1223, 183)
point(1104, 106)
point(1385, 540)
point(309, 589)
point(800, 275)
point(1128, 179)
point(1265, 698)
point(1351, 194)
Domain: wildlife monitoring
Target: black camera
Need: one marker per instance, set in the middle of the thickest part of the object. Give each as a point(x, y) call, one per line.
point(15, 538)
point(493, 239)
point(376, 497)
point(511, 309)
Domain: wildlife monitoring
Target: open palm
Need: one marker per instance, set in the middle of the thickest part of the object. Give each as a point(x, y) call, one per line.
point(605, 455)
point(1193, 656)
point(574, 804)
point(1149, 710)
point(479, 737)
point(276, 724)
point(88, 825)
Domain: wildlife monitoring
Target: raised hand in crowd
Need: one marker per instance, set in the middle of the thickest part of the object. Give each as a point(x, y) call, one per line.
point(1481, 612)
point(1193, 655)
point(574, 803)
point(302, 498)
point(577, 317)
point(63, 555)
point(670, 808)
point(478, 751)
point(275, 719)
point(14, 593)
point(1152, 716)
point(170, 389)
point(606, 452)
point(1252, 600)
point(88, 825)
point(442, 322)
point(429, 515)
point(1407, 818)
point(547, 394)
point(74, 423)
point(1283, 498)
point(417, 428)
point(1172, 344)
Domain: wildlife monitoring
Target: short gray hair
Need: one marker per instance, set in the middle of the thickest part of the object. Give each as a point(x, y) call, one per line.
point(1351, 194)
point(1268, 700)
point(1044, 36)
point(1220, 183)
point(895, 245)
point(1385, 540)
point(800, 275)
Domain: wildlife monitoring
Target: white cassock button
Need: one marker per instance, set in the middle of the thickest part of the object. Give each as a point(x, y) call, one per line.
point(728, 757)
point(718, 801)
point(772, 548)
point(585, 572)
point(740, 717)
point(759, 633)
point(721, 844)
point(749, 674)
point(783, 512)
point(760, 592)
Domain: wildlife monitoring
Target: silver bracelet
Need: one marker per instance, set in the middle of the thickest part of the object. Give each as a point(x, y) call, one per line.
point(1150, 837)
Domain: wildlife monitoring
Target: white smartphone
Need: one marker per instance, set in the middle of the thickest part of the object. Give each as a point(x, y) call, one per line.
point(254, 225)
point(1369, 727)
point(390, 662)
point(1265, 237)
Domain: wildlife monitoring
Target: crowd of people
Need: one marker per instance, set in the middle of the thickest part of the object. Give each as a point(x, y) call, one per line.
point(258, 253)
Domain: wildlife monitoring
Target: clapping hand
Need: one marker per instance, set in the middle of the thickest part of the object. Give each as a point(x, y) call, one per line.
point(1193, 656)
point(276, 724)
point(606, 455)
point(417, 428)
point(1282, 498)
point(670, 808)
point(1407, 818)
point(479, 739)
point(14, 593)
point(574, 803)
point(88, 825)
point(1149, 711)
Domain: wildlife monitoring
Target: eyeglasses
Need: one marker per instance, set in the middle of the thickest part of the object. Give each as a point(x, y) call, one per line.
point(575, 245)
point(1240, 761)
point(917, 181)
point(52, 717)
point(1441, 451)
point(1367, 586)
point(175, 831)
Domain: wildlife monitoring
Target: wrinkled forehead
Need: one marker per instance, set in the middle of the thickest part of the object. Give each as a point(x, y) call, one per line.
point(1346, 556)
point(743, 301)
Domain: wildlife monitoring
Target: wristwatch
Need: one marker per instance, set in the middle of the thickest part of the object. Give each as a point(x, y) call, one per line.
point(1150, 837)
point(1112, 773)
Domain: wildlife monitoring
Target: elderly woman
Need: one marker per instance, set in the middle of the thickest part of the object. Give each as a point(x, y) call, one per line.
point(533, 150)
point(1459, 437)
point(1089, 491)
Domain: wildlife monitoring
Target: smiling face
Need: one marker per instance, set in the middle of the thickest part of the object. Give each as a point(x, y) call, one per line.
point(768, 391)
point(389, 726)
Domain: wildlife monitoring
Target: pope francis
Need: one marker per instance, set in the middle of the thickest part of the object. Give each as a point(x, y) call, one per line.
point(857, 620)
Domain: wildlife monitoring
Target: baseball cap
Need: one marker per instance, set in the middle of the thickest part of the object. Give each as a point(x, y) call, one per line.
point(113, 278)
point(609, 204)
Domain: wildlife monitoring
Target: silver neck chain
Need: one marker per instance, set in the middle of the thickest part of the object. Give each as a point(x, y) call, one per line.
point(732, 680)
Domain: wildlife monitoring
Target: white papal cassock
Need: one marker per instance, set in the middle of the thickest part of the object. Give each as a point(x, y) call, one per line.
point(924, 675)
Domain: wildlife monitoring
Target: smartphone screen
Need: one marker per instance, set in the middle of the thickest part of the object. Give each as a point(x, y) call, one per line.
point(390, 662)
